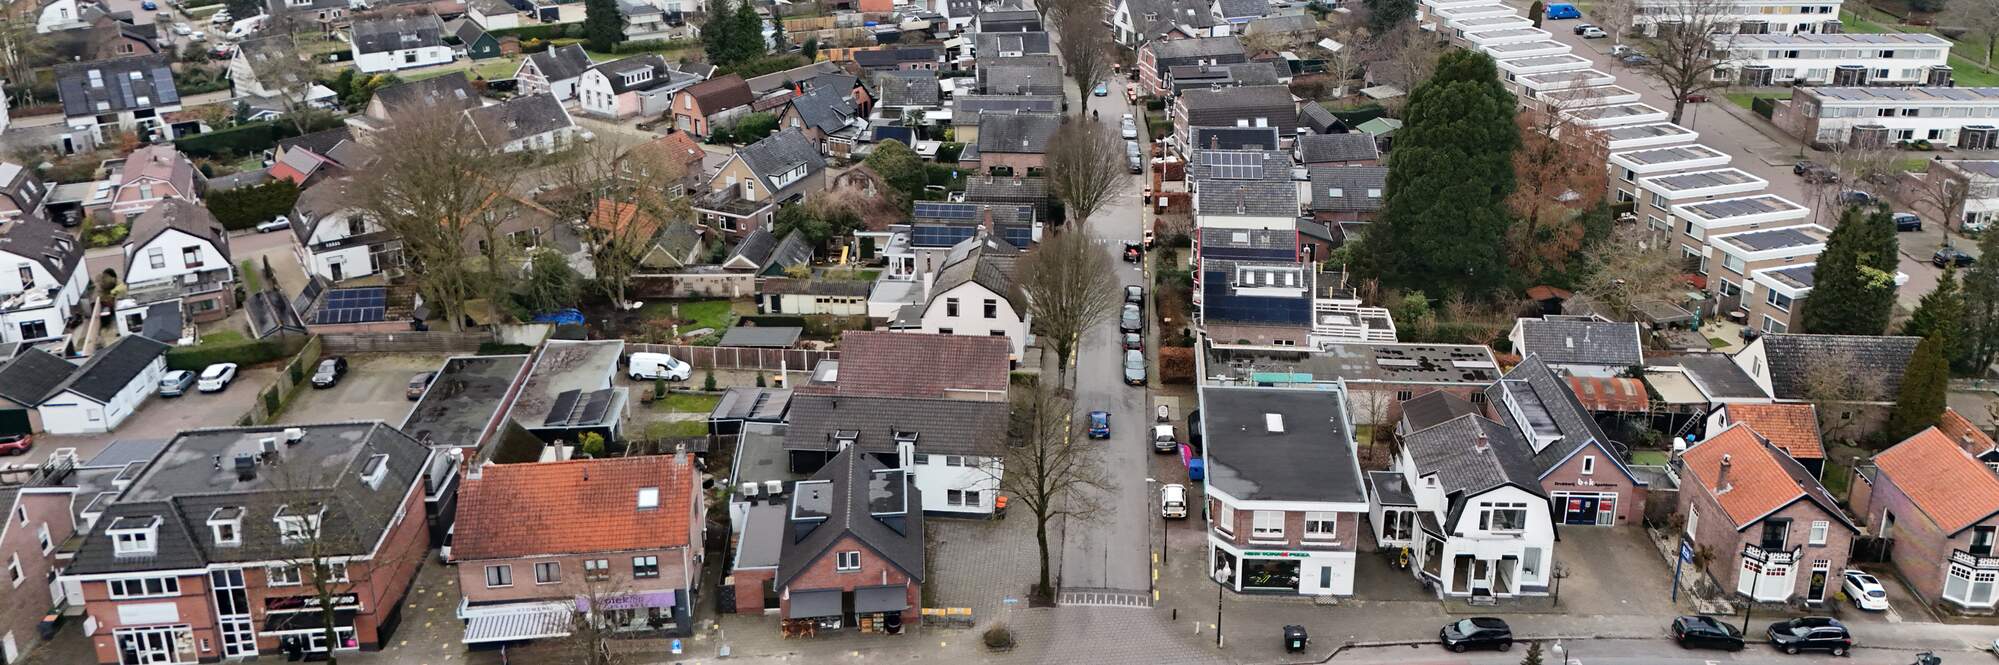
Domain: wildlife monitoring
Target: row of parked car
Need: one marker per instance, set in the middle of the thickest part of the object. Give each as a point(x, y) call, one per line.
point(217, 377)
point(1690, 632)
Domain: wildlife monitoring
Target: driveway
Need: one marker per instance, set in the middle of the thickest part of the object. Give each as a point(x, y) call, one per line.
point(1611, 571)
point(374, 389)
point(163, 417)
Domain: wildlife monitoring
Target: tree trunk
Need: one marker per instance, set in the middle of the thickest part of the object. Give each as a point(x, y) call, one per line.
point(1043, 589)
point(1679, 106)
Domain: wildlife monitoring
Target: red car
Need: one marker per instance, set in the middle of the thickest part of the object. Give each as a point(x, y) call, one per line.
point(15, 444)
point(1696, 98)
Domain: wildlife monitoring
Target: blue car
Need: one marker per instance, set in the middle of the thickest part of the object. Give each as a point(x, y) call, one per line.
point(1100, 425)
point(1102, 90)
point(149, 5)
point(1560, 11)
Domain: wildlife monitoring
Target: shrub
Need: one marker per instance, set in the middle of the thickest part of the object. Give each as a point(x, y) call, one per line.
point(650, 46)
point(543, 31)
point(1176, 365)
point(246, 207)
point(708, 382)
point(999, 637)
point(244, 352)
point(242, 139)
point(498, 349)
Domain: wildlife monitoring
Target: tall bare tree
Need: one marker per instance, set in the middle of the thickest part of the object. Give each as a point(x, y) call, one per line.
point(1046, 473)
point(1070, 289)
point(1980, 21)
point(1084, 42)
point(1086, 167)
point(1830, 384)
point(1351, 40)
point(1700, 44)
point(279, 67)
point(1945, 193)
point(1405, 56)
point(1632, 266)
point(1616, 17)
point(22, 49)
point(623, 195)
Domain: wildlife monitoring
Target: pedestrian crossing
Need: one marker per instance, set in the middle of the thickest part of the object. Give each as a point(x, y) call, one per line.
point(1104, 598)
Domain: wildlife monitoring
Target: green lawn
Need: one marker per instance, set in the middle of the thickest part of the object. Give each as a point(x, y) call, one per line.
point(686, 402)
point(1650, 457)
point(222, 337)
point(1965, 56)
point(1745, 98)
point(1717, 342)
point(1835, 478)
point(715, 314)
point(1916, 164)
point(676, 429)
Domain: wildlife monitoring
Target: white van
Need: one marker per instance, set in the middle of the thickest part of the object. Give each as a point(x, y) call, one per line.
point(247, 27)
point(1173, 501)
point(1162, 439)
point(650, 366)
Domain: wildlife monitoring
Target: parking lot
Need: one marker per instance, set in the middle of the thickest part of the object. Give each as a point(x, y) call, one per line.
point(163, 417)
point(372, 390)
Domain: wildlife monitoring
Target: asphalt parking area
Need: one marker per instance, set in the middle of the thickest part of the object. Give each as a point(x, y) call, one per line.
point(374, 389)
point(163, 417)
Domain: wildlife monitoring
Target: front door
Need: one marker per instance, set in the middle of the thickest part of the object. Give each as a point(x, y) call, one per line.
point(1820, 571)
point(1580, 510)
point(337, 270)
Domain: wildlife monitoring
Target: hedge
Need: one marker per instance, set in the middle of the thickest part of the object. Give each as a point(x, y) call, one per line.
point(543, 31)
point(247, 352)
point(651, 46)
point(246, 207)
point(244, 139)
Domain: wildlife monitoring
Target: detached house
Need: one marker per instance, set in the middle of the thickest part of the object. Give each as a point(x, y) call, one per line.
point(974, 293)
point(399, 42)
point(851, 552)
point(641, 85)
point(1581, 345)
point(42, 282)
point(699, 108)
point(1283, 487)
point(1015, 144)
point(953, 447)
point(744, 195)
point(1772, 532)
point(1139, 22)
point(556, 71)
point(177, 251)
point(1939, 505)
point(110, 97)
point(828, 117)
point(336, 240)
point(107, 388)
point(147, 177)
point(525, 123)
point(1463, 496)
point(1156, 57)
point(1855, 377)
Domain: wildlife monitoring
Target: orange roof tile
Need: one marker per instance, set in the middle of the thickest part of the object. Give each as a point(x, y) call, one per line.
point(1946, 483)
point(613, 216)
point(1761, 478)
point(1962, 431)
point(573, 507)
point(1609, 394)
point(1791, 427)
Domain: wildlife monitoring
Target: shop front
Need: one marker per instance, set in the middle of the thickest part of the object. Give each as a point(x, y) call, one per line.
point(640, 612)
point(877, 609)
point(1314, 573)
point(154, 645)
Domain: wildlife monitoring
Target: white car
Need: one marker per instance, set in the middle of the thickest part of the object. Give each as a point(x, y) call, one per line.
point(1865, 591)
point(182, 29)
point(219, 18)
point(278, 223)
point(1594, 32)
point(216, 377)
point(1130, 129)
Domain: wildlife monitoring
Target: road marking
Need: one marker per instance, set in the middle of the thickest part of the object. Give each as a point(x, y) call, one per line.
point(1104, 598)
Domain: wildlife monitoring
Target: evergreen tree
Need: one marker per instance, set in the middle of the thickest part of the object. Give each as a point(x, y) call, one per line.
point(1533, 654)
point(778, 40)
point(1386, 15)
point(1445, 219)
point(748, 33)
point(1981, 309)
point(716, 33)
point(1854, 283)
point(1924, 386)
point(900, 167)
point(810, 49)
point(1941, 313)
point(603, 26)
point(1535, 12)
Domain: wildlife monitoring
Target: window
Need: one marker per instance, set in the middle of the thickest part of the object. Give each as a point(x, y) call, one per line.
point(14, 570)
point(1732, 262)
point(1404, 395)
point(966, 498)
point(287, 575)
point(42, 538)
point(645, 567)
point(499, 576)
point(1777, 300)
point(1504, 517)
point(333, 571)
point(951, 307)
point(597, 570)
point(133, 539)
point(226, 534)
point(921, 458)
point(1322, 526)
point(1819, 529)
point(1693, 523)
point(957, 460)
point(648, 498)
point(1225, 519)
point(27, 275)
point(547, 572)
point(1774, 532)
point(190, 257)
point(1981, 541)
point(157, 258)
point(847, 561)
point(992, 308)
point(144, 587)
point(1267, 524)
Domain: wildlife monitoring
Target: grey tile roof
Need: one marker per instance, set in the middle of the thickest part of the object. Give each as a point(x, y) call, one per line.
point(1243, 182)
point(111, 369)
point(30, 377)
point(1282, 25)
point(1236, 9)
point(389, 34)
point(779, 153)
point(1235, 138)
point(452, 91)
point(1222, 108)
point(1434, 408)
point(320, 142)
point(1452, 451)
point(915, 88)
point(1322, 148)
point(1715, 374)
point(1314, 116)
point(1010, 79)
point(1009, 20)
point(1027, 133)
point(1569, 341)
point(998, 189)
point(986, 261)
point(163, 322)
point(562, 62)
point(785, 79)
point(120, 84)
point(855, 481)
point(615, 71)
point(1355, 184)
point(43, 241)
point(942, 426)
point(180, 215)
point(793, 250)
point(757, 246)
point(1152, 18)
point(1876, 363)
point(1214, 50)
point(1309, 456)
point(519, 118)
point(1535, 392)
point(825, 109)
point(1010, 44)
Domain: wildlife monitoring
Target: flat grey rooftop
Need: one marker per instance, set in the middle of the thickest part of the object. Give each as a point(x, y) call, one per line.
point(1272, 444)
point(1983, 167)
point(1760, 204)
point(1614, 111)
point(1586, 93)
point(1769, 239)
point(1703, 179)
point(1668, 155)
point(761, 457)
point(1500, 50)
point(1629, 132)
point(1715, 373)
point(462, 400)
point(191, 467)
point(1473, 24)
point(1543, 61)
point(1503, 33)
point(1797, 277)
point(1906, 94)
point(1467, 364)
point(1571, 76)
point(566, 365)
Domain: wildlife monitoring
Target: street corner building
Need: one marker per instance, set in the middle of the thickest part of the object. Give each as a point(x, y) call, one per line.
point(1284, 489)
point(851, 550)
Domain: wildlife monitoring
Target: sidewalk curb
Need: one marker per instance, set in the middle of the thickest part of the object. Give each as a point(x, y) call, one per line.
point(1412, 643)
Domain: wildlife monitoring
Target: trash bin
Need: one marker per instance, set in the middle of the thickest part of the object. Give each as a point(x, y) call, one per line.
point(1295, 638)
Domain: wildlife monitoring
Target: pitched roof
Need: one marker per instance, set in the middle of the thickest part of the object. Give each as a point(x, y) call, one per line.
point(918, 88)
point(1235, 138)
point(1314, 116)
point(1434, 408)
point(320, 142)
point(1578, 341)
point(119, 84)
point(1152, 18)
point(1028, 133)
point(756, 247)
point(791, 77)
point(1953, 488)
point(1469, 455)
point(1243, 8)
point(1793, 428)
point(826, 109)
point(986, 261)
point(999, 189)
point(522, 117)
point(1551, 409)
point(32, 375)
point(395, 33)
point(1174, 51)
point(43, 241)
point(615, 72)
point(1010, 44)
point(885, 363)
point(1961, 430)
point(1348, 147)
point(561, 62)
point(779, 153)
point(720, 93)
point(942, 426)
point(163, 322)
point(793, 250)
point(180, 215)
point(1874, 362)
point(1020, 79)
point(574, 507)
point(677, 148)
point(1361, 188)
point(1222, 108)
point(452, 91)
point(1761, 478)
point(109, 370)
point(859, 497)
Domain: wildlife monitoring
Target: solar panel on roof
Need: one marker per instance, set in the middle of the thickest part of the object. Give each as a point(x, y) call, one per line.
point(945, 211)
point(594, 409)
point(559, 413)
point(939, 235)
point(1018, 236)
point(355, 305)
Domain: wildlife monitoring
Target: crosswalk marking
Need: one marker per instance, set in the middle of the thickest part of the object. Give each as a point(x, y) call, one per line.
point(1104, 598)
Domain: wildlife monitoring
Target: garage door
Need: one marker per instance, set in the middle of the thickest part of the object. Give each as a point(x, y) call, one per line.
point(14, 421)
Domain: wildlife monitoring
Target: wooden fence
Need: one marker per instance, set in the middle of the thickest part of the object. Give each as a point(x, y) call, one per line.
point(406, 342)
point(733, 357)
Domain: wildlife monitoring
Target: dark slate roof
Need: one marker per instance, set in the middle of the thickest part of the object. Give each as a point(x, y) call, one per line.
point(163, 322)
point(757, 246)
point(389, 34)
point(762, 85)
point(942, 426)
point(1545, 399)
point(320, 142)
point(912, 88)
point(895, 56)
point(1315, 117)
point(519, 118)
point(1876, 363)
point(856, 491)
point(1223, 188)
point(1282, 25)
point(1010, 79)
point(1715, 374)
point(1308, 456)
point(468, 33)
point(451, 90)
point(1151, 18)
point(42, 241)
point(113, 88)
point(111, 369)
point(1222, 108)
point(1243, 8)
point(1009, 20)
point(1235, 138)
point(181, 215)
point(562, 62)
point(1027, 133)
point(998, 189)
point(1434, 408)
point(793, 250)
point(1350, 147)
point(773, 337)
point(1469, 455)
point(986, 261)
point(1354, 183)
point(615, 70)
point(997, 43)
point(781, 152)
point(1216, 50)
point(1572, 341)
point(826, 109)
point(1389, 489)
point(32, 376)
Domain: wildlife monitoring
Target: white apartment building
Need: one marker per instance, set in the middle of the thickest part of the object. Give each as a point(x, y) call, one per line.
point(1895, 58)
point(1514, 68)
point(1525, 49)
point(1596, 95)
point(1693, 222)
point(1658, 194)
point(1966, 118)
point(1981, 177)
point(1527, 86)
point(1427, 11)
point(1751, 16)
point(1616, 115)
point(1737, 256)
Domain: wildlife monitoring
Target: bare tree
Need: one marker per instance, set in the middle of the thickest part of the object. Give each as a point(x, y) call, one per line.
point(1404, 57)
point(1559, 175)
point(1070, 289)
point(1085, 45)
point(1047, 473)
point(1865, 163)
point(1086, 167)
point(280, 69)
point(1628, 268)
point(1980, 21)
point(1687, 58)
point(622, 195)
point(21, 49)
point(1616, 17)
point(1351, 39)
point(1831, 385)
point(1945, 192)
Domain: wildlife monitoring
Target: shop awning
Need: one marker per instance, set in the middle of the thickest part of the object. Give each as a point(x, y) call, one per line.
point(814, 604)
point(629, 601)
point(280, 622)
point(880, 599)
point(529, 623)
point(1609, 393)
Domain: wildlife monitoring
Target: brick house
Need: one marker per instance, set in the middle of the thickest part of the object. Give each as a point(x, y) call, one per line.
point(743, 196)
point(1793, 428)
point(698, 108)
point(1771, 531)
point(1939, 505)
point(1015, 144)
point(1872, 365)
point(1285, 495)
point(198, 562)
point(852, 549)
point(536, 544)
point(1155, 57)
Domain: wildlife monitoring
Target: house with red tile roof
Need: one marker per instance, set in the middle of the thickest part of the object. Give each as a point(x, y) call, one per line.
point(612, 539)
point(1793, 428)
point(700, 108)
point(1939, 507)
point(1968, 436)
point(1771, 531)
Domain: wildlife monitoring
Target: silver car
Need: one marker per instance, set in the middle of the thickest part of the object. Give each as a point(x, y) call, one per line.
point(1132, 320)
point(1134, 367)
point(1130, 127)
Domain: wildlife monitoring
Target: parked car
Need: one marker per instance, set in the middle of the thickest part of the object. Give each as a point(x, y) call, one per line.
point(176, 383)
point(1811, 634)
point(1162, 439)
point(1103, 89)
point(1814, 172)
point(1129, 127)
point(1865, 591)
point(1131, 320)
point(216, 377)
point(1100, 425)
point(197, 36)
point(1908, 221)
point(222, 51)
point(1705, 632)
point(1580, 27)
point(1695, 98)
point(1621, 50)
point(278, 223)
point(16, 444)
point(1951, 256)
point(1133, 161)
point(1561, 10)
point(1592, 32)
point(1476, 633)
point(1855, 197)
point(182, 29)
point(417, 385)
point(1134, 367)
point(1133, 252)
point(1173, 501)
point(1134, 341)
point(329, 372)
point(1635, 59)
point(150, 6)
point(652, 366)
point(1134, 294)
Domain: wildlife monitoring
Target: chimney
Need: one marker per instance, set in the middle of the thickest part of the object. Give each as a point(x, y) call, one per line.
point(1721, 479)
point(1483, 443)
point(1214, 142)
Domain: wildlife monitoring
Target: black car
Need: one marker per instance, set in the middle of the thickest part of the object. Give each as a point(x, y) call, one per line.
point(1855, 197)
point(1811, 634)
point(1951, 256)
point(1814, 172)
point(1580, 27)
point(329, 372)
point(1908, 221)
point(1707, 633)
point(1476, 633)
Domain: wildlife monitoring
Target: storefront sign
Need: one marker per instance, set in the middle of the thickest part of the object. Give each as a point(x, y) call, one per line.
point(282, 603)
point(1277, 555)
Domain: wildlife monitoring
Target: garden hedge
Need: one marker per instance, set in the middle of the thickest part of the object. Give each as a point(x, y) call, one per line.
point(246, 207)
point(244, 139)
point(248, 352)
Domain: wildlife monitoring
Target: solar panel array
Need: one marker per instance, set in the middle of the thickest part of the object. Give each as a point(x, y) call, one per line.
point(962, 212)
point(1220, 305)
point(1235, 165)
point(361, 305)
point(940, 235)
point(1019, 236)
point(574, 408)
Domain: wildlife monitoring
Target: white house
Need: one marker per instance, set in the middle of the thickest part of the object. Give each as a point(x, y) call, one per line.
point(108, 97)
point(641, 85)
point(401, 42)
point(334, 240)
point(1284, 490)
point(493, 14)
point(109, 387)
point(554, 71)
point(1658, 194)
point(974, 293)
point(1844, 59)
point(1464, 497)
point(46, 281)
point(59, 15)
point(532, 123)
point(1693, 222)
point(953, 447)
point(1960, 117)
point(178, 250)
point(1749, 16)
point(1981, 180)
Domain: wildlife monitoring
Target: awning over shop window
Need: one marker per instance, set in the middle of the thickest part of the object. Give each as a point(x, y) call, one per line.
point(532, 622)
point(279, 622)
point(880, 599)
point(814, 604)
point(630, 601)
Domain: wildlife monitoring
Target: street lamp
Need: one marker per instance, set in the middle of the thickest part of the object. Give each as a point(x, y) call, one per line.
point(1749, 608)
point(1221, 581)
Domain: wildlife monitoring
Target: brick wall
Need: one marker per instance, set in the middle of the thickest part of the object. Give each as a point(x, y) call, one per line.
point(874, 571)
point(1716, 531)
point(30, 600)
point(1020, 162)
point(1347, 528)
point(1921, 547)
point(1228, 333)
point(570, 582)
point(1606, 479)
point(193, 605)
point(750, 585)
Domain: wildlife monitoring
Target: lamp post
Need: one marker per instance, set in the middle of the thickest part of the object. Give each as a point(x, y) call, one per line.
point(1221, 581)
point(1749, 608)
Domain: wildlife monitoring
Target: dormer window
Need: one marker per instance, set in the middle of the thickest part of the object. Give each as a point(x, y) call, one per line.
point(227, 525)
point(374, 470)
point(299, 524)
point(135, 536)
